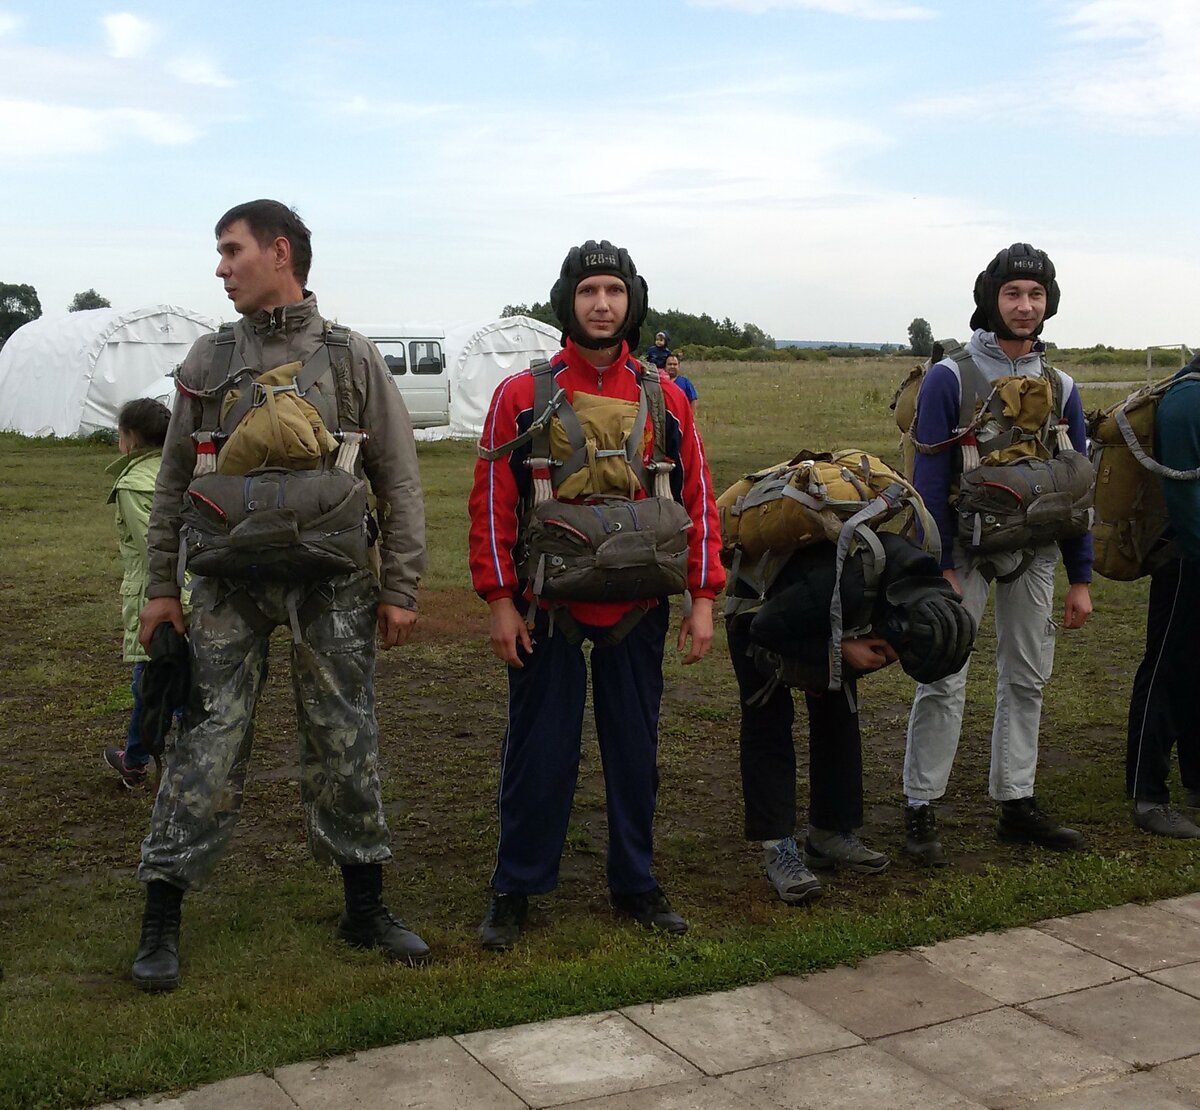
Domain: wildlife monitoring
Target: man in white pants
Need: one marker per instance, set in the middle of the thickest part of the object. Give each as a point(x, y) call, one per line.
point(1014, 296)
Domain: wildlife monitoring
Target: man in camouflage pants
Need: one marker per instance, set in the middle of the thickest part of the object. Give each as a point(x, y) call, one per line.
point(265, 254)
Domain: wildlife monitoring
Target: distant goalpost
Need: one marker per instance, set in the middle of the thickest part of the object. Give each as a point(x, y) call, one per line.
point(1184, 355)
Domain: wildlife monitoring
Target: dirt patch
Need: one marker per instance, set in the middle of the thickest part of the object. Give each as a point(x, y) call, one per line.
point(441, 706)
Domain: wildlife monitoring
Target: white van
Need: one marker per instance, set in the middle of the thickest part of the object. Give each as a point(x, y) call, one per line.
point(416, 357)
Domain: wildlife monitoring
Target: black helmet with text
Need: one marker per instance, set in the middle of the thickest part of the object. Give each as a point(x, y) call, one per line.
point(587, 260)
point(1020, 262)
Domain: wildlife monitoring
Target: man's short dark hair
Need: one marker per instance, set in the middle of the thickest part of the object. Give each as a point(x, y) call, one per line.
point(146, 420)
point(267, 221)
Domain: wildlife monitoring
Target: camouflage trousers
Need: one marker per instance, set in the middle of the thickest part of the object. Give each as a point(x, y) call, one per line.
point(333, 670)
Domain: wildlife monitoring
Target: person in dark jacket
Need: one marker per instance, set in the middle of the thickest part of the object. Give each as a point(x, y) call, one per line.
point(915, 618)
point(1165, 703)
point(659, 350)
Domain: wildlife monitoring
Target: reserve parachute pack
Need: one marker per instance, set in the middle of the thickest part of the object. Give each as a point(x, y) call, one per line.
point(843, 498)
point(274, 495)
point(1131, 513)
point(587, 535)
point(1022, 483)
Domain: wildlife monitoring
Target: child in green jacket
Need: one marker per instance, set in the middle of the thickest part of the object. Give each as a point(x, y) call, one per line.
point(142, 430)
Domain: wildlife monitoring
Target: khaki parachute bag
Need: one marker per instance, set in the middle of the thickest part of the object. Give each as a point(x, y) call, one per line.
point(275, 495)
point(587, 534)
point(1022, 484)
point(1131, 513)
point(842, 497)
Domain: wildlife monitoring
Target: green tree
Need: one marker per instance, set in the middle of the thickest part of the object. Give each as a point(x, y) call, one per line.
point(757, 337)
point(920, 337)
point(539, 310)
point(18, 305)
point(89, 298)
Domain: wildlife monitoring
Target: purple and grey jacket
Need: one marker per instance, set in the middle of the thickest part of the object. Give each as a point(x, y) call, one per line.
point(938, 408)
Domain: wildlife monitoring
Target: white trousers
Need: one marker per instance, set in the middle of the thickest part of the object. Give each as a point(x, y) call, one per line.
point(1024, 660)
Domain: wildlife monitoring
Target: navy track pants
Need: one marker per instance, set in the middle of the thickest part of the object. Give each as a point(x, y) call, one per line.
point(540, 757)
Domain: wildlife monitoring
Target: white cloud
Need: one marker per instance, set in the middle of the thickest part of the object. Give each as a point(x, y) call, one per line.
point(199, 71)
point(129, 36)
point(372, 112)
point(855, 9)
point(10, 23)
point(31, 130)
point(1127, 66)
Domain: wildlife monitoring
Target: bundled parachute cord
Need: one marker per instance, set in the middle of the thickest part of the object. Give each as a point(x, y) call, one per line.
point(206, 454)
point(349, 448)
point(543, 483)
point(970, 451)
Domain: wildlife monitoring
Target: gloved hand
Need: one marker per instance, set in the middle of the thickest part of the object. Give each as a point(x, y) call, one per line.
point(163, 686)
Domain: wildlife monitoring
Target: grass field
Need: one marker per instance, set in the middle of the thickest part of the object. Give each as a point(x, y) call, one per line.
point(266, 983)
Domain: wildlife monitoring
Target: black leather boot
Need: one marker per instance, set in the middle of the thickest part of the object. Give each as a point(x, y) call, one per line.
point(156, 966)
point(1023, 821)
point(367, 922)
point(921, 840)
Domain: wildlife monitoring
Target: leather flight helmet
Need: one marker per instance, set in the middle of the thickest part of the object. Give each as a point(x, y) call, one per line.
point(598, 258)
point(1015, 263)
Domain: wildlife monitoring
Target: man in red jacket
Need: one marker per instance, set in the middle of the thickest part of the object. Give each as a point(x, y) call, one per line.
point(600, 301)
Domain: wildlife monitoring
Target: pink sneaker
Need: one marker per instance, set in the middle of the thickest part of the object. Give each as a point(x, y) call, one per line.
point(133, 778)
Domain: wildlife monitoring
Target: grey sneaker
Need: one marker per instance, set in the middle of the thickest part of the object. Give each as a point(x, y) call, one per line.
point(825, 849)
point(1165, 821)
point(794, 882)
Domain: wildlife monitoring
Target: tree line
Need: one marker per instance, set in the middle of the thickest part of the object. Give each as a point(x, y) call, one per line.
point(684, 328)
point(19, 305)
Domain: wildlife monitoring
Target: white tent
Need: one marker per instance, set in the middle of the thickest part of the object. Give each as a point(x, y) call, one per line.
point(69, 375)
point(481, 355)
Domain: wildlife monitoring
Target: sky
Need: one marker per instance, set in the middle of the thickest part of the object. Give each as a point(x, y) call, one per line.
point(825, 169)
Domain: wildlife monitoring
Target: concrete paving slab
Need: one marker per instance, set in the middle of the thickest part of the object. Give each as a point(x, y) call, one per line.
point(433, 1075)
point(740, 1028)
point(259, 1091)
point(1185, 977)
point(887, 994)
point(1186, 906)
point(1143, 1091)
point(704, 1094)
point(1183, 1075)
point(850, 1079)
point(570, 1059)
point(1135, 1020)
point(1020, 965)
point(1001, 1057)
point(1140, 937)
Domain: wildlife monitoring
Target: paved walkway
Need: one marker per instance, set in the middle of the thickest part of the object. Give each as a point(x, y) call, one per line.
point(1100, 1011)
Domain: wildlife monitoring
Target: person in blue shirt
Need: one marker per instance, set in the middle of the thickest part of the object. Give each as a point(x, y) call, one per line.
point(684, 383)
point(1165, 703)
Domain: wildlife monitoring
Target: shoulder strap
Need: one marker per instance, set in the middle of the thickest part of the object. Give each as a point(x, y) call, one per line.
point(973, 384)
point(1131, 439)
point(546, 401)
point(652, 400)
point(220, 369)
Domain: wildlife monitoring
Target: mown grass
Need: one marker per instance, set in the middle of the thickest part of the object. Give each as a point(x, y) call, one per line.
point(265, 981)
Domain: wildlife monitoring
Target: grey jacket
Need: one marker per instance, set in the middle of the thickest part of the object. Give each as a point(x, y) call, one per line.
point(388, 458)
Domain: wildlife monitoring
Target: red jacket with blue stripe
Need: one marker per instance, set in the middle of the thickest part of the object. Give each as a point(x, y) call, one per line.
point(502, 488)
